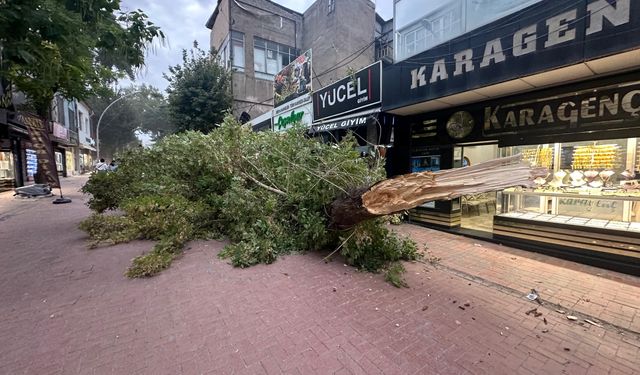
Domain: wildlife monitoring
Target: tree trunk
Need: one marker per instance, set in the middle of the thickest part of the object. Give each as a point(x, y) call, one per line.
point(411, 190)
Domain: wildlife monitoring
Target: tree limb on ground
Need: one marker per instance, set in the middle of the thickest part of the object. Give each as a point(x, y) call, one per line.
point(411, 190)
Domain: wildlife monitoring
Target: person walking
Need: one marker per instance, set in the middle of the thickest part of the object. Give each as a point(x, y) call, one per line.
point(113, 166)
point(101, 166)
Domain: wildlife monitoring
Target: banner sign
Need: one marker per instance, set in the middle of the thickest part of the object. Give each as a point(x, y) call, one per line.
point(573, 110)
point(60, 131)
point(550, 35)
point(350, 122)
point(299, 115)
point(40, 140)
point(293, 81)
point(354, 92)
point(605, 108)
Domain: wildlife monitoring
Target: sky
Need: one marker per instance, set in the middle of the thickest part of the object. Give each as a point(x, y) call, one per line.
point(183, 21)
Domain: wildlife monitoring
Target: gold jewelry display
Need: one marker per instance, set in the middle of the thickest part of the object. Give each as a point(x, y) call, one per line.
point(539, 156)
point(595, 157)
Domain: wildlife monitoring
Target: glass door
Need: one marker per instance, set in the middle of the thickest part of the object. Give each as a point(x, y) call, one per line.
point(477, 210)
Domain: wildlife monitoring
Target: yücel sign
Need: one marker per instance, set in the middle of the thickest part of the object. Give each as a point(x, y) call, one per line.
point(568, 111)
point(342, 124)
point(357, 91)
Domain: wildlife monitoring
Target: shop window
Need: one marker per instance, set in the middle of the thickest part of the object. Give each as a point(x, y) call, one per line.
point(237, 50)
point(59, 164)
point(6, 166)
point(269, 57)
point(589, 183)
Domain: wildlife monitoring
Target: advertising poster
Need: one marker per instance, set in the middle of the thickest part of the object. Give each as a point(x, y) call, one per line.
point(293, 81)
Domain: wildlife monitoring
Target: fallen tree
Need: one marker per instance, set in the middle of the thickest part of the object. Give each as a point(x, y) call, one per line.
point(411, 190)
point(270, 194)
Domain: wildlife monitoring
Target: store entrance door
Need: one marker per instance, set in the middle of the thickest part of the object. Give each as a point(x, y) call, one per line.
point(477, 210)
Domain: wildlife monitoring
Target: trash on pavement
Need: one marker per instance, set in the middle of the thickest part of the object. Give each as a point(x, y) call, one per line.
point(533, 295)
point(593, 323)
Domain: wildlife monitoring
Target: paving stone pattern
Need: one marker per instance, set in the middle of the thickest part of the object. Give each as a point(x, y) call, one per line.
point(65, 309)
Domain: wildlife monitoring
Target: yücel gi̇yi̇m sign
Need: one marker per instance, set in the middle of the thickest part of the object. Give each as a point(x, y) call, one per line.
point(360, 90)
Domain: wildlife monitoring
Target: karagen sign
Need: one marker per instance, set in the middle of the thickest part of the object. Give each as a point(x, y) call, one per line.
point(580, 110)
point(559, 29)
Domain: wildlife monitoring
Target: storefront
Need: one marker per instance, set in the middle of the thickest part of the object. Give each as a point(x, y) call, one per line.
point(13, 135)
point(586, 135)
point(352, 106)
point(564, 92)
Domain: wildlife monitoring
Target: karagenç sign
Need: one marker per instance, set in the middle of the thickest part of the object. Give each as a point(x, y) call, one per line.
point(360, 90)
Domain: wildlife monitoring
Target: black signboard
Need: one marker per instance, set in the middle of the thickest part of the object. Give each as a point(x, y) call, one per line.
point(360, 90)
point(582, 110)
point(350, 122)
point(605, 108)
point(544, 36)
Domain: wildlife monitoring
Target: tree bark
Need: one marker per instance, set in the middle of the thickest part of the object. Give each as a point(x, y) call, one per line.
point(411, 190)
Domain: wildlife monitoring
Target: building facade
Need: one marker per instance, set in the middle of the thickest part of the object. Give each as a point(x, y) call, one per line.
point(555, 81)
point(258, 38)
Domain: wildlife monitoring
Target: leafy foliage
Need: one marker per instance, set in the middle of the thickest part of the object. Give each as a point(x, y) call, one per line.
point(267, 192)
point(139, 108)
point(199, 91)
point(71, 47)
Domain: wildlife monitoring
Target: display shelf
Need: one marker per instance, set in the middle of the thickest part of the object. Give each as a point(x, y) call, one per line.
point(563, 219)
point(585, 195)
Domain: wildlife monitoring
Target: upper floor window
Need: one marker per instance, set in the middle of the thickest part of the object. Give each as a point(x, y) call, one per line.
point(80, 121)
point(223, 54)
point(421, 25)
point(269, 57)
point(237, 50)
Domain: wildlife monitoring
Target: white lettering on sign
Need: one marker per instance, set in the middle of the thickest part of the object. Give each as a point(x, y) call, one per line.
point(347, 123)
point(560, 29)
point(342, 92)
point(568, 111)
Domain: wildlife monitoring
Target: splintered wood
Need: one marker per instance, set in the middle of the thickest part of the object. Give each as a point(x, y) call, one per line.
point(411, 190)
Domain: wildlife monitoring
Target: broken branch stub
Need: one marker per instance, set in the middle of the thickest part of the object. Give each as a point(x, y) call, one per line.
point(411, 190)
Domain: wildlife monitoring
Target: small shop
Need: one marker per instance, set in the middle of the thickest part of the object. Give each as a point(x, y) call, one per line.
point(563, 90)
point(586, 135)
point(12, 157)
point(352, 105)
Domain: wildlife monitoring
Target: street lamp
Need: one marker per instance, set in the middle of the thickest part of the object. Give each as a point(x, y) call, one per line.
point(100, 119)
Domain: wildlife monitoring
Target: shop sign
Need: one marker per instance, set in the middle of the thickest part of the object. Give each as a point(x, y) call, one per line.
point(298, 115)
point(568, 111)
point(362, 89)
point(505, 50)
point(350, 122)
point(60, 131)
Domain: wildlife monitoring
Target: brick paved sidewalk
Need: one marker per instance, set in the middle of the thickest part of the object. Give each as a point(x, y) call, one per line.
point(68, 310)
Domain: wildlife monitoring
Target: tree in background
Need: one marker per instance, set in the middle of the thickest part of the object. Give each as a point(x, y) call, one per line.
point(69, 47)
point(199, 91)
point(143, 109)
point(153, 112)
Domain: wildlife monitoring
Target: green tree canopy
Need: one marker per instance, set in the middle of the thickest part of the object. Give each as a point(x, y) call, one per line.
point(199, 91)
point(70, 47)
point(139, 108)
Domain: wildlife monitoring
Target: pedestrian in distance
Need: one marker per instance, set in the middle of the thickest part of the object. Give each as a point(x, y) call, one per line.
point(113, 166)
point(101, 166)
